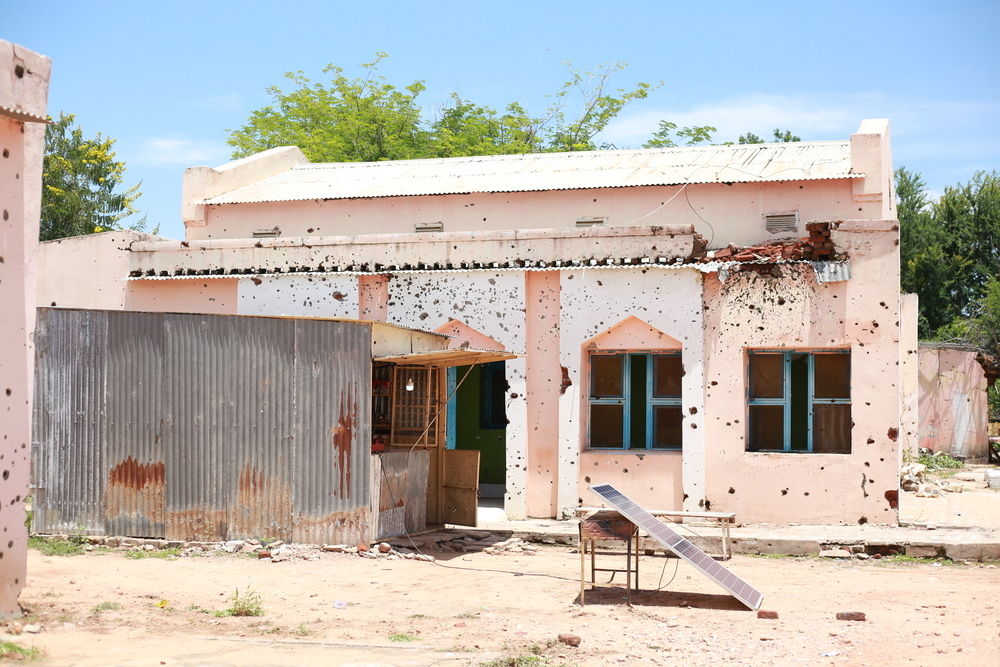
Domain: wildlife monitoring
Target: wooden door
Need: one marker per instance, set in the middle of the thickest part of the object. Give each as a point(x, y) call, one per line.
point(460, 486)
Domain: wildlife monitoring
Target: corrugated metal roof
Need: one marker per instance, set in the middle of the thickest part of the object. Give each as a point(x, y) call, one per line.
point(806, 160)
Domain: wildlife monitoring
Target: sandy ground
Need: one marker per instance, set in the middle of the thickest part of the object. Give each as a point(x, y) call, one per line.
point(473, 608)
point(977, 507)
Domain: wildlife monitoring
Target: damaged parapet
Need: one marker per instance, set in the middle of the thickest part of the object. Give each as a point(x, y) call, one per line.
point(387, 253)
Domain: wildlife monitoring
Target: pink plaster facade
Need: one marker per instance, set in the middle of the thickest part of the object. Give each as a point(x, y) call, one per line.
point(24, 81)
point(513, 270)
point(953, 403)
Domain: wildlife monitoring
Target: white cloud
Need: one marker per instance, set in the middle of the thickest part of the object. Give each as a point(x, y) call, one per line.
point(186, 152)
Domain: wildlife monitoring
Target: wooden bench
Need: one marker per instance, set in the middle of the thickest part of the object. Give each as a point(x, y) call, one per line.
point(725, 519)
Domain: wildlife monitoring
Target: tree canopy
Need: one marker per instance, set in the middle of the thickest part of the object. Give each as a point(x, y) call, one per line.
point(81, 181)
point(950, 257)
point(367, 118)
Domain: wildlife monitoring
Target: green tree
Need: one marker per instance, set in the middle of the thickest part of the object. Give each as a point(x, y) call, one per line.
point(369, 119)
point(80, 184)
point(778, 136)
point(668, 136)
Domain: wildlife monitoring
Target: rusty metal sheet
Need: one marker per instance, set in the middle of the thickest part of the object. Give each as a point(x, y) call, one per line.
point(399, 483)
point(803, 160)
point(69, 424)
point(331, 492)
point(202, 426)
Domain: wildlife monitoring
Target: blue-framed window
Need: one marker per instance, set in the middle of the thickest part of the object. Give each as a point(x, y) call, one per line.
point(635, 400)
point(800, 401)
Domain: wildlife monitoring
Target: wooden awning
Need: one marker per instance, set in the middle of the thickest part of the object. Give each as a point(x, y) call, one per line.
point(448, 358)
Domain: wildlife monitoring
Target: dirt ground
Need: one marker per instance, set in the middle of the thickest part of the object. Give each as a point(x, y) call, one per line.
point(474, 608)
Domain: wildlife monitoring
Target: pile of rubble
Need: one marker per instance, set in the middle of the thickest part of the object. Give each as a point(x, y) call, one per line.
point(913, 477)
point(380, 550)
point(468, 541)
point(818, 245)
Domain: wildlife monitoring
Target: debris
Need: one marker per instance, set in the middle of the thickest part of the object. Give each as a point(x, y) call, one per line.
point(850, 616)
point(32, 628)
point(835, 553)
point(768, 614)
point(339, 604)
point(335, 548)
point(569, 640)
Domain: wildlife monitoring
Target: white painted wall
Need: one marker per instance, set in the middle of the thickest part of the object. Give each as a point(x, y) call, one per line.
point(301, 296)
point(492, 303)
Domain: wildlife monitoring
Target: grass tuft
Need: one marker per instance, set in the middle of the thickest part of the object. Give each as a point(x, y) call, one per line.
point(105, 606)
point(402, 637)
point(247, 603)
point(50, 546)
point(155, 553)
point(16, 653)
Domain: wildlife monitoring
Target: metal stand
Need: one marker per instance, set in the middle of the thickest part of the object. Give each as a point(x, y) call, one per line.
point(608, 526)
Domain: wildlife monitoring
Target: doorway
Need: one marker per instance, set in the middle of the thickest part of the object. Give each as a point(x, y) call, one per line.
point(477, 419)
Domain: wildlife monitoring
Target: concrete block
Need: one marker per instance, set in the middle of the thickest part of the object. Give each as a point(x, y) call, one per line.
point(786, 547)
point(993, 478)
point(980, 551)
point(923, 551)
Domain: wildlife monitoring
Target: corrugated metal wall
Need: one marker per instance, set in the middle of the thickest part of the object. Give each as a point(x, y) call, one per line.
point(399, 492)
point(202, 426)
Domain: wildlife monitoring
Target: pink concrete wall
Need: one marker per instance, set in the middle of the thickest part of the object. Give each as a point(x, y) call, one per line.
point(788, 309)
point(734, 212)
point(24, 80)
point(209, 295)
point(953, 403)
point(86, 271)
point(544, 385)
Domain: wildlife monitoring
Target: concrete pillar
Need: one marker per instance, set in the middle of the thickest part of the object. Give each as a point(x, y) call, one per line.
point(544, 381)
point(24, 81)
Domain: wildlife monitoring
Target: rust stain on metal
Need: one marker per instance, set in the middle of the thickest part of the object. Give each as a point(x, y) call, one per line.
point(197, 524)
point(136, 489)
point(263, 505)
point(343, 435)
point(348, 527)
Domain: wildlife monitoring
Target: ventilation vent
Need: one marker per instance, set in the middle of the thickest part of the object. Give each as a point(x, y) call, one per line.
point(267, 233)
point(590, 222)
point(781, 223)
point(428, 227)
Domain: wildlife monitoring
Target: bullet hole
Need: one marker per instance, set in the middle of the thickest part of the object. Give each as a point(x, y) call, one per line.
point(579, 501)
point(587, 479)
point(784, 492)
point(6, 474)
point(6, 153)
point(732, 490)
point(781, 301)
point(566, 382)
point(822, 467)
point(893, 433)
point(685, 497)
point(694, 426)
point(892, 495)
point(871, 441)
point(6, 215)
point(424, 316)
point(19, 71)
point(339, 296)
point(862, 520)
point(708, 504)
point(7, 391)
point(693, 410)
point(714, 383)
point(310, 230)
point(868, 465)
point(513, 395)
point(624, 469)
point(729, 423)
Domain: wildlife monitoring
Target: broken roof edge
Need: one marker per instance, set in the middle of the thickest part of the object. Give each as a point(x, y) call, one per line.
point(597, 231)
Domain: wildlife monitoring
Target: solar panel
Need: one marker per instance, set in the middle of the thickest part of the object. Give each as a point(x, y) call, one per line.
point(655, 528)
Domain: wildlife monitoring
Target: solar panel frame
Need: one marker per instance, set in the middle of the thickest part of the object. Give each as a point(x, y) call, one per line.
point(681, 546)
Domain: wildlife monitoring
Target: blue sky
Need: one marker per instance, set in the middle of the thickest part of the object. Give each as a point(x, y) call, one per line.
point(168, 79)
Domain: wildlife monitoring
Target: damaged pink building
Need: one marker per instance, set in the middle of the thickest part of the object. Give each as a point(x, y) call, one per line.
point(712, 328)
